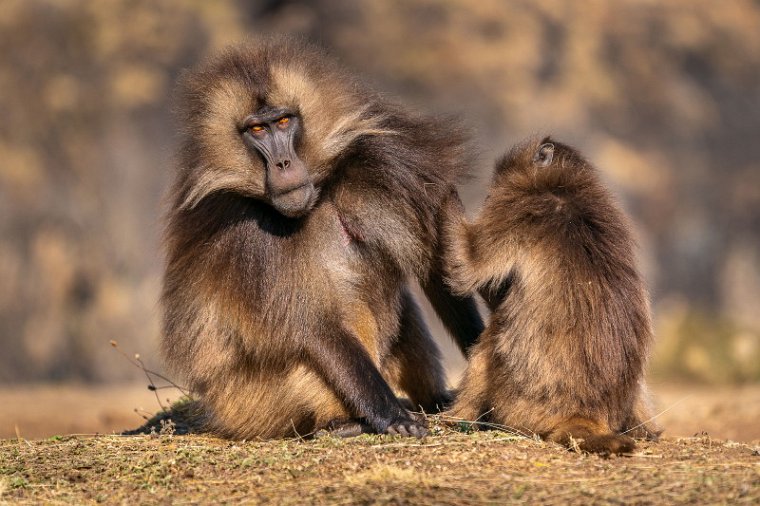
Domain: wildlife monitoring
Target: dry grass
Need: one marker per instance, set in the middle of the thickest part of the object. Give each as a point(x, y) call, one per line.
point(448, 467)
point(445, 468)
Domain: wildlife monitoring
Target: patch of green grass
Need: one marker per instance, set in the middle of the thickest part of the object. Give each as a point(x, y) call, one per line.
point(18, 482)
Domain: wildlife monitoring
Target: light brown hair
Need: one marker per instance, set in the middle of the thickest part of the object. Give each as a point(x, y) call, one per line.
point(285, 325)
point(564, 351)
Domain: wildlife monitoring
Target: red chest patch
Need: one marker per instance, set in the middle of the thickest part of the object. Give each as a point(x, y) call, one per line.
point(350, 233)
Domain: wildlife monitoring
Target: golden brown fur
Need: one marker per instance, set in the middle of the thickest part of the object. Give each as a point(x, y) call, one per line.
point(563, 354)
point(286, 325)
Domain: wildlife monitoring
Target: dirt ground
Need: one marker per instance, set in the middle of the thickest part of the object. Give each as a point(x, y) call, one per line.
point(447, 467)
point(730, 413)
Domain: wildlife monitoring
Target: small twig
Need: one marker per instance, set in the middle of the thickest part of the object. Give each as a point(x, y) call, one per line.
point(477, 420)
point(153, 388)
point(137, 362)
point(504, 428)
point(679, 401)
point(151, 385)
point(145, 415)
point(19, 438)
point(296, 431)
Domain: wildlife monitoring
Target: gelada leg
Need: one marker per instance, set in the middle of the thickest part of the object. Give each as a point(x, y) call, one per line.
point(589, 436)
point(413, 365)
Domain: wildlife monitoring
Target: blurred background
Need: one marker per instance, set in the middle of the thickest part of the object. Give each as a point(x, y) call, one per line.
point(663, 96)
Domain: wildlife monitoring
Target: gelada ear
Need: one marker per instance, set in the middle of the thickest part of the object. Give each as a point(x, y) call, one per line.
point(544, 155)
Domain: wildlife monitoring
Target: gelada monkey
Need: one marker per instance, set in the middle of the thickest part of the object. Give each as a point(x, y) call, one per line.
point(302, 205)
point(564, 351)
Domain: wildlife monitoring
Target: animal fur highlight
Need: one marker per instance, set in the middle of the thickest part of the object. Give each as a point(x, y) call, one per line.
point(563, 354)
point(288, 314)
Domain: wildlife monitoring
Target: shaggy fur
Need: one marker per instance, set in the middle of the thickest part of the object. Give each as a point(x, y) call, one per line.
point(288, 325)
point(564, 352)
